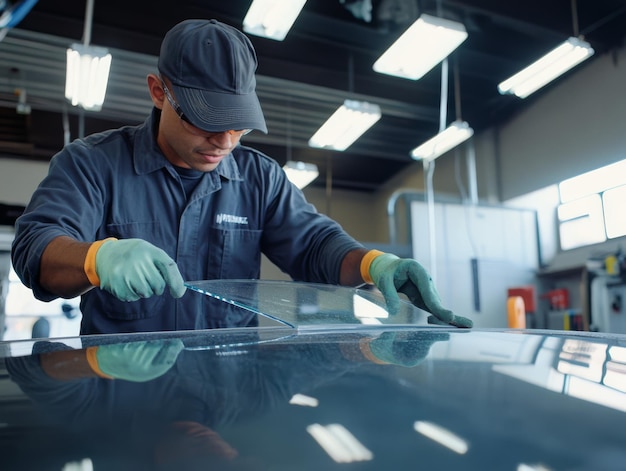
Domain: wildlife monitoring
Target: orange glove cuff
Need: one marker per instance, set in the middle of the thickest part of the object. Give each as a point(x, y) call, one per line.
point(364, 346)
point(90, 261)
point(366, 262)
point(93, 362)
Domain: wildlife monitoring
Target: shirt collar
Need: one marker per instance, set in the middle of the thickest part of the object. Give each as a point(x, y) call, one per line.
point(148, 157)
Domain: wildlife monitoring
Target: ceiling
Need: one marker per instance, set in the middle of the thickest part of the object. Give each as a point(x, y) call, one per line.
point(326, 57)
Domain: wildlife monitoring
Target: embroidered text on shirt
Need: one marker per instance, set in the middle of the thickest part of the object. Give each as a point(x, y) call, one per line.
point(229, 218)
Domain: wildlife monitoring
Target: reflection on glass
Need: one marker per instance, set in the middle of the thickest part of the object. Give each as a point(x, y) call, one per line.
point(615, 375)
point(588, 365)
point(591, 371)
point(582, 359)
point(308, 304)
point(303, 400)
point(532, 467)
point(618, 354)
point(442, 436)
point(597, 393)
point(82, 465)
point(367, 311)
point(339, 443)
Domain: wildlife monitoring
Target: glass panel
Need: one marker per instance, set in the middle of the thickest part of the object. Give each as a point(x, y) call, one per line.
point(581, 222)
point(300, 304)
point(614, 211)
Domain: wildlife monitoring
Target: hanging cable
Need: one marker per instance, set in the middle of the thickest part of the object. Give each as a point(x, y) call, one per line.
point(66, 127)
point(86, 41)
point(329, 182)
point(575, 18)
point(429, 166)
point(88, 21)
point(288, 126)
point(457, 90)
point(443, 103)
point(471, 155)
point(603, 21)
point(351, 74)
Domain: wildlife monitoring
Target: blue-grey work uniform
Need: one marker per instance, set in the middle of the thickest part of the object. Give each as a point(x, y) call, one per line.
point(119, 184)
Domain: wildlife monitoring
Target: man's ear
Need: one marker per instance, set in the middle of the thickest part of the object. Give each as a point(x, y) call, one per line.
point(155, 88)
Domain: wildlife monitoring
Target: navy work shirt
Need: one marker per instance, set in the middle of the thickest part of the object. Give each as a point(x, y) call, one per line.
point(119, 184)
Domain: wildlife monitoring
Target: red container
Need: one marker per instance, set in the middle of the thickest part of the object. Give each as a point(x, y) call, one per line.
point(558, 298)
point(527, 293)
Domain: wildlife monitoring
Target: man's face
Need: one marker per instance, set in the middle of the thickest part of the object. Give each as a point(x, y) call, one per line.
point(184, 145)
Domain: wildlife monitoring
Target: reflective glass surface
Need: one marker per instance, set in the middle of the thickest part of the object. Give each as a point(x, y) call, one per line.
point(309, 304)
point(332, 396)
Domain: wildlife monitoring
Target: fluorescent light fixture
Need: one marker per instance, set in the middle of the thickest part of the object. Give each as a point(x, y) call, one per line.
point(87, 76)
point(272, 18)
point(300, 173)
point(558, 61)
point(449, 138)
point(346, 125)
point(421, 47)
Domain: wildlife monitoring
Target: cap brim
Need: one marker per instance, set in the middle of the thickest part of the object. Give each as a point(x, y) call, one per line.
point(217, 112)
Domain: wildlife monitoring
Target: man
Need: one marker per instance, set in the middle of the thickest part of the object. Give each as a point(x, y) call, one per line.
point(138, 209)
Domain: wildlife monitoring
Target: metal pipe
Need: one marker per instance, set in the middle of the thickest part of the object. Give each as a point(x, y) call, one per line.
point(471, 172)
point(429, 169)
point(88, 21)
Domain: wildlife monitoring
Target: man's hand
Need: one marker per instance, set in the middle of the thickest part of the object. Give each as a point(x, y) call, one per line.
point(134, 361)
point(393, 275)
point(131, 269)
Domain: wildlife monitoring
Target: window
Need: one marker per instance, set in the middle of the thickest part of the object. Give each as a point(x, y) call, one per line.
point(23, 310)
point(581, 222)
point(591, 209)
point(614, 211)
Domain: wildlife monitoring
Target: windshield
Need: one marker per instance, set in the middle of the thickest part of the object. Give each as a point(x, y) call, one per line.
point(308, 304)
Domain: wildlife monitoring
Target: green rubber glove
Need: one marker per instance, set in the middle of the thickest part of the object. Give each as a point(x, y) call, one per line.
point(131, 269)
point(393, 275)
point(405, 348)
point(136, 361)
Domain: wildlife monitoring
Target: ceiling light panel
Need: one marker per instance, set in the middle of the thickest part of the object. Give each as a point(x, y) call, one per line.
point(272, 18)
point(455, 134)
point(346, 125)
point(541, 72)
point(421, 47)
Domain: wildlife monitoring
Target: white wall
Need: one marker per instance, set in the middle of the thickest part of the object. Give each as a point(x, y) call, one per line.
point(353, 210)
point(19, 179)
point(575, 127)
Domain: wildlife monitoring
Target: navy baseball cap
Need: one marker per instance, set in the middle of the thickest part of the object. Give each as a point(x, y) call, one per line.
point(211, 67)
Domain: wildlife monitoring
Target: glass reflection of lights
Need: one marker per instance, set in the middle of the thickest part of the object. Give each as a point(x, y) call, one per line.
point(83, 465)
point(615, 375)
point(303, 400)
point(442, 436)
point(532, 467)
point(339, 443)
point(368, 312)
point(590, 371)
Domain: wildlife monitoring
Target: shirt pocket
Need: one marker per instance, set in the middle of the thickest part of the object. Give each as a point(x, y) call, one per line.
point(150, 231)
point(235, 253)
point(100, 302)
